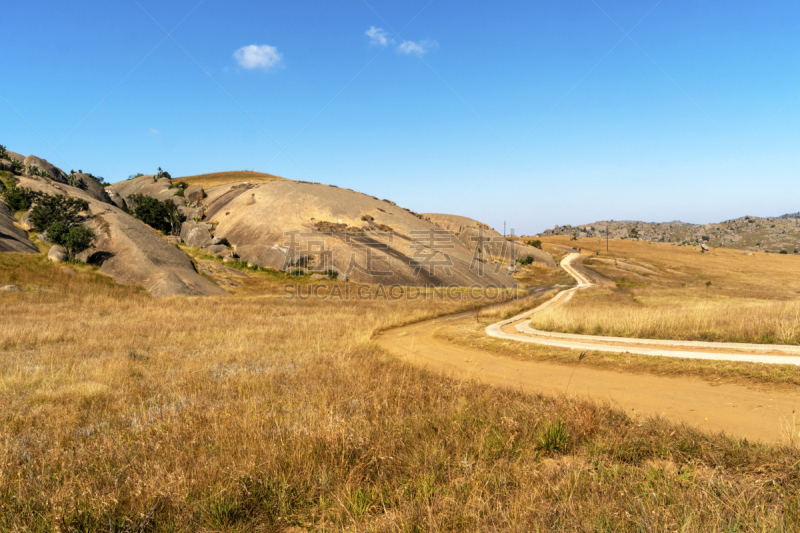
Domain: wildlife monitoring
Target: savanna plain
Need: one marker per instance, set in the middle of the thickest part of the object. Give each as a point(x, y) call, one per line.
point(121, 412)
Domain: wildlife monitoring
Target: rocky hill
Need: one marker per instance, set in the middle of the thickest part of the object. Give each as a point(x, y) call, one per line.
point(771, 234)
point(259, 220)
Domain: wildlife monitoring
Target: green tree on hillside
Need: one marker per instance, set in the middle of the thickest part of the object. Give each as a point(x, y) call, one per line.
point(74, 240)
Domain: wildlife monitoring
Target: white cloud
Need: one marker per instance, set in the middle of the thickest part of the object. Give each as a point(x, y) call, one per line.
point(419, 48)
point(254, 56)
point(154, 131)
point(377, 36)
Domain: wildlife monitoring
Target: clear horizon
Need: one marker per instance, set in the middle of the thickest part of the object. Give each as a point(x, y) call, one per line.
point(536, 114)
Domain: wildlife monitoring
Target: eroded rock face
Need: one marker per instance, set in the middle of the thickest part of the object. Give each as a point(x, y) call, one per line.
point(470, 232)
point(12, 238)
point(89, 186)
point(370, 240)
point(130, 251)
point(56, 174)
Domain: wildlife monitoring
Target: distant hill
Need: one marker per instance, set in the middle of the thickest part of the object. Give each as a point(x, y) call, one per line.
point(770, 234)
point(223, 178)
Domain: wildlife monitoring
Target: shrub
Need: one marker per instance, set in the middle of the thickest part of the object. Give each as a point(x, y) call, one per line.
point(51, 209)
point(784, 252)
point(161, 174)
point(527, 261)
point(181, 186)
point(73, 239)
point(536, 244)
point(16, 166)
point(331, 273)
point(163, 216)
point(3, 152)
point(554, 436)
point(18, 198)
point(137, 175)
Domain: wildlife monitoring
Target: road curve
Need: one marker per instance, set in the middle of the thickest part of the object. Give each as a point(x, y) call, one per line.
point(719, 351)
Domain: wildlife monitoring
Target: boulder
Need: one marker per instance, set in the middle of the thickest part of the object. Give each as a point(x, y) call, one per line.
point(172, 239)
point(195, 234)
point(220, 240)
point(90, 186)
point(264, 256)
point(192, 213)
point(214, 249)
point(57, 254)
point(12, 238)
point(56, 174)
point(5, 164)
point(195, 193)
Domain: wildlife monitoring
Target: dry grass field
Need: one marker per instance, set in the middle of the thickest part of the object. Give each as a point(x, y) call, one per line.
point(221, 178)
point(676, 292)
point(251, 413)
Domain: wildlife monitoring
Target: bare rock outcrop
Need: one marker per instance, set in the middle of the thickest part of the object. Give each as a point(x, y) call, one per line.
point(195, 234)
point(471, 233)
point(89, 186)
point(288, 224)
point(12, 238)
point(130, 251)
point(56, 174)
point(147, 186)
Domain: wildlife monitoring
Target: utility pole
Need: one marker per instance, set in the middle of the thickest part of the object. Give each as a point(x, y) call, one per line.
point(504, 229)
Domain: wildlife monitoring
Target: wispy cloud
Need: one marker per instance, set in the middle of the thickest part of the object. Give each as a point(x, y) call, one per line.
point(418, 48)
point(255, 56)
point(154, 131)
point(377, 36)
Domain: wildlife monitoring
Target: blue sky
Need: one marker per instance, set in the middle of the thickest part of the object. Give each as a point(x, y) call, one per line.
point(538, 113)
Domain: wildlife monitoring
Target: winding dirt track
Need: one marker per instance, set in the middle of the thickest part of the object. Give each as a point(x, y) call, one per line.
point(763, 413)
point(718, 351)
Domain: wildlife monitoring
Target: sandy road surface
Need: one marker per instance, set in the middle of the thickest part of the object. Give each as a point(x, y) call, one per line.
point(760, 413)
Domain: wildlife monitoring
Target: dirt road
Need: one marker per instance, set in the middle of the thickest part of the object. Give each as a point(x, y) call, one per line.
point(518, 329)
point(743, 411)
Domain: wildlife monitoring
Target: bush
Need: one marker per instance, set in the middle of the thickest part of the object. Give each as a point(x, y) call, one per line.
point(536, 244)
point(137, 175)
point(18, 198)
point(331, 273)
point(51, 209)
point(527, 261)
point(74, 239)
point(163, 216)
point(3, 152)
point(16, 166)
point(554, 436)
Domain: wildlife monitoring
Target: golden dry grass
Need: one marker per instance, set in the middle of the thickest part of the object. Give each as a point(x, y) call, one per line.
point(124, 413)
point(221, 178)
point(675, 292)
